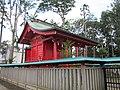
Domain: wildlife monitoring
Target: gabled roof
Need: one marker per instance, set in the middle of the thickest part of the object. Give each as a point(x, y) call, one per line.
point(42, 27)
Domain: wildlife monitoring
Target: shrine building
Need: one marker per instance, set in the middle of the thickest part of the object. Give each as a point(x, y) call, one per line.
point(46, 41)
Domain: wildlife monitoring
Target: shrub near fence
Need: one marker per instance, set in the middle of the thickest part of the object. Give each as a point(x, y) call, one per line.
point(56, 78)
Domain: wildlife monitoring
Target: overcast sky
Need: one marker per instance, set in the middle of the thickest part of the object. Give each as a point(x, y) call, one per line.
point(95, 6)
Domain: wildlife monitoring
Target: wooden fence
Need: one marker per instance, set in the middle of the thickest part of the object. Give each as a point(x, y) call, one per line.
point(56, 78)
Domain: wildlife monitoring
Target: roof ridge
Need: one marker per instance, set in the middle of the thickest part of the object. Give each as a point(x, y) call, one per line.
point(44, 22)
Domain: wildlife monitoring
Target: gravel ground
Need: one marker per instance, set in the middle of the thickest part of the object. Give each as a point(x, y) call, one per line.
point(8, 86)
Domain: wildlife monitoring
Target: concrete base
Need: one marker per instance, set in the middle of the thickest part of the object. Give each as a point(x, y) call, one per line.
point(22, 85)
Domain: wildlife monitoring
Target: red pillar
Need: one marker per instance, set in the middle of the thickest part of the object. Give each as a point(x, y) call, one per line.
point(66, 53)
point(43, 49)
point(83, 52)
point(76, 51)
point(55, 50)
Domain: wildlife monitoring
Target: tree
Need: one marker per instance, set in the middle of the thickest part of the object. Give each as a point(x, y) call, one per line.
point(107, 29)
point(110, 28)
point(102, 51)
point(93, 28)
point(2, 2)
point(84, 12)
point(61, 7)
point(115, 19)
point(76, 26)
point(13, 10)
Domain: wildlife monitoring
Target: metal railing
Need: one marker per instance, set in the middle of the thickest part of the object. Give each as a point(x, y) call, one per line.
point(57, 78)
point(112, 78)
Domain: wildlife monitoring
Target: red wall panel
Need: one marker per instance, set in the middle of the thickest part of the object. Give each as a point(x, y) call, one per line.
point(40, 52)
point(28, 55)
point(48, 50)
point(34, 53)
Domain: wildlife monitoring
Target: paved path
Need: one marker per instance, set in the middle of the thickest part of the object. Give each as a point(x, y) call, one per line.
point(3, 87)
point(8, 86)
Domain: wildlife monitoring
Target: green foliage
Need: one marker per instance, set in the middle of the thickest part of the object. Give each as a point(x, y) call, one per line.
point(76, 26)
point(116, 25)
point(92, 26)
point(93, 29)
point(103, 52)
point(68, 44)
point(67, 47)
point(79, 52)
point(110, 28)
point(61, 7)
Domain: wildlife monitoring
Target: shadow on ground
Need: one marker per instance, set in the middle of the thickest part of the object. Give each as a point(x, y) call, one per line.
point(10, 86)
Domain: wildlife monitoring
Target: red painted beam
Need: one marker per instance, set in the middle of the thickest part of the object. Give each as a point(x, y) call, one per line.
point(51, 32)
point(47, 38)
point(80, 40)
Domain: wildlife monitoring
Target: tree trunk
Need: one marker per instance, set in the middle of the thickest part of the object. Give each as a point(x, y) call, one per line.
point(63, 22)
point(13, 37)
point(12, 48)
point(1, 25)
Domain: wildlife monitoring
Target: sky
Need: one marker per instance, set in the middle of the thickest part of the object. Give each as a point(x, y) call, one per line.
point(95, 6)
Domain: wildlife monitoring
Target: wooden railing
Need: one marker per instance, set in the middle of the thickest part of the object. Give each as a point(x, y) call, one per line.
point(56, 78)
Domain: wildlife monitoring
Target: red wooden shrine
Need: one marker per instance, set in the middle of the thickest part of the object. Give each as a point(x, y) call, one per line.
point(46, 41)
